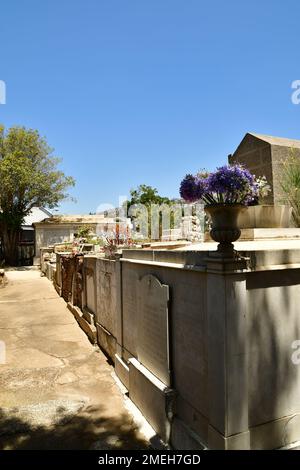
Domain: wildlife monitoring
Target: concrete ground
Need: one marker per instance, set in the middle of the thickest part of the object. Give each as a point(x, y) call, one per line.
point(56, 389)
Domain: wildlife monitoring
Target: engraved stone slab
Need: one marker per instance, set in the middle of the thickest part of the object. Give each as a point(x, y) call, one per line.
point(129, 329)
point(153, 327)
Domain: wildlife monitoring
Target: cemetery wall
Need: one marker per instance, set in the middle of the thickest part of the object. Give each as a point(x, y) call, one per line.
point(203, 346)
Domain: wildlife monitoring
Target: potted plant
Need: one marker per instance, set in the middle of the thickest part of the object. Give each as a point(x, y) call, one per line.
point(225, 193)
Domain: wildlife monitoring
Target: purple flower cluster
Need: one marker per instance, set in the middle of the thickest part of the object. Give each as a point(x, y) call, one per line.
point(192, 188)
point(229, 184)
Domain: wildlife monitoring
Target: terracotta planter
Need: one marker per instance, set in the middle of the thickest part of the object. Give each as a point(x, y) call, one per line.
point(225, 229)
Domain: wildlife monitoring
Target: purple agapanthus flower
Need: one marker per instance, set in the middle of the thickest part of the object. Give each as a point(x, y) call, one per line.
point(233, 183)
point(192, 188)
point(229, 184)
point(229, 178)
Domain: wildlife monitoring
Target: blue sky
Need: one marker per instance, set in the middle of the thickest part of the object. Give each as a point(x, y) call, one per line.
point(144, 91)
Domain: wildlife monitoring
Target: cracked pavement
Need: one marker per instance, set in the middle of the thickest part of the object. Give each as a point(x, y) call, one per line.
point(56, 389)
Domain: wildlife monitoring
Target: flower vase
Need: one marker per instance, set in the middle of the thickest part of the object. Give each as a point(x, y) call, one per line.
point(225, 230)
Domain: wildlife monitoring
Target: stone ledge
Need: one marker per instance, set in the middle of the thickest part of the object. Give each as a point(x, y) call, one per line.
point(154, 399)
point(106, 341)
point(217, 441)
point(184, 438)
point(122, 370)
point(276, 434)
point(90, 330)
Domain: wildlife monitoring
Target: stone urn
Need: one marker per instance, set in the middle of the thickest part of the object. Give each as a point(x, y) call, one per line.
point(224, 225)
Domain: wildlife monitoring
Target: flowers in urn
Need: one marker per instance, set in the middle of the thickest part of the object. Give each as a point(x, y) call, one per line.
point(224, 192)
point(263, 188)
point(227, 185)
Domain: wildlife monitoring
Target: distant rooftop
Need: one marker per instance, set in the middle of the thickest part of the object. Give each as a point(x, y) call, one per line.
point(78, 219)
point(282, 141)
point(36, 215)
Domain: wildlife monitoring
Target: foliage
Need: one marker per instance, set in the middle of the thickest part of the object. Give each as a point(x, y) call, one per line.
point(146, 195)
point(290, 184)
point(142, 198)
point(83, 231)
point(229, 184)
point(29, 177)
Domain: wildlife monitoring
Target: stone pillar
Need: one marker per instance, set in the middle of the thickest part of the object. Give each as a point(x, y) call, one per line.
point(227, 353)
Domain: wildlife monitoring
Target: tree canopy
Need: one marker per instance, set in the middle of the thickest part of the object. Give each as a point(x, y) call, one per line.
point(29, 176)
point(144, 198)
point(146, 195)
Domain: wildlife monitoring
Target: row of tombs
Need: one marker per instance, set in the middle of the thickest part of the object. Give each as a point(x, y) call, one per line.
point(204, 348)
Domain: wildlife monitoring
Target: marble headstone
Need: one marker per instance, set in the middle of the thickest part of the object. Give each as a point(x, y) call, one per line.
point(153, 327)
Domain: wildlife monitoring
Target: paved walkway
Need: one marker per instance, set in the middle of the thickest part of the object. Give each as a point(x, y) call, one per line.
point(56, 389)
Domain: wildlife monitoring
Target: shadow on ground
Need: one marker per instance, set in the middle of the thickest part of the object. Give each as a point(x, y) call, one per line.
point(80, 432)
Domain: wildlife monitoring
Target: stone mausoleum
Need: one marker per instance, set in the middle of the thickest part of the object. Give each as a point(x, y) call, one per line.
point(263, 156)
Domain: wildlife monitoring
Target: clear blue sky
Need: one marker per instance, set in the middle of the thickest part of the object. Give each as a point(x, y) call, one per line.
point(144, 91)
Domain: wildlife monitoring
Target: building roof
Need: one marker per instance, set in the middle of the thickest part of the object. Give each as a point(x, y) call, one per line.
point(281, 141)
point(37, 214)
point(78, 219)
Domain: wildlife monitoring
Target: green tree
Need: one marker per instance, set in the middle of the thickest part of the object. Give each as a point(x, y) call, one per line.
point(147, 195)
point(28, 177)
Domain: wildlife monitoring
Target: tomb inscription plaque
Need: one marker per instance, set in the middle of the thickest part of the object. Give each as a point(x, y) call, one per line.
point(153, 327)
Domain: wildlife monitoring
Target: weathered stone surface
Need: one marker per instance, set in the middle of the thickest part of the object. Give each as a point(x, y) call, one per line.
point(188, 319)
point(88, 328)
point(122, 370)
point(153, 327)
point(130, 311)
point(106, 341)
point(106, 293)
point(263, 156)
point(155, 400)
point(89, 272)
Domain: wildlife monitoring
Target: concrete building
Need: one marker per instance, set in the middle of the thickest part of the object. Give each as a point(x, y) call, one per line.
point(61, 228)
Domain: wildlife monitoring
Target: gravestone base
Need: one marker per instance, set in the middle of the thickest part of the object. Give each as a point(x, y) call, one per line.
point(154, 399)
point(122, 370)
point(88, 316)
point(217, 441)
point(106, 341)
point(276, 434)
point(184, 438)
point(57, 287)
point(90, 330)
